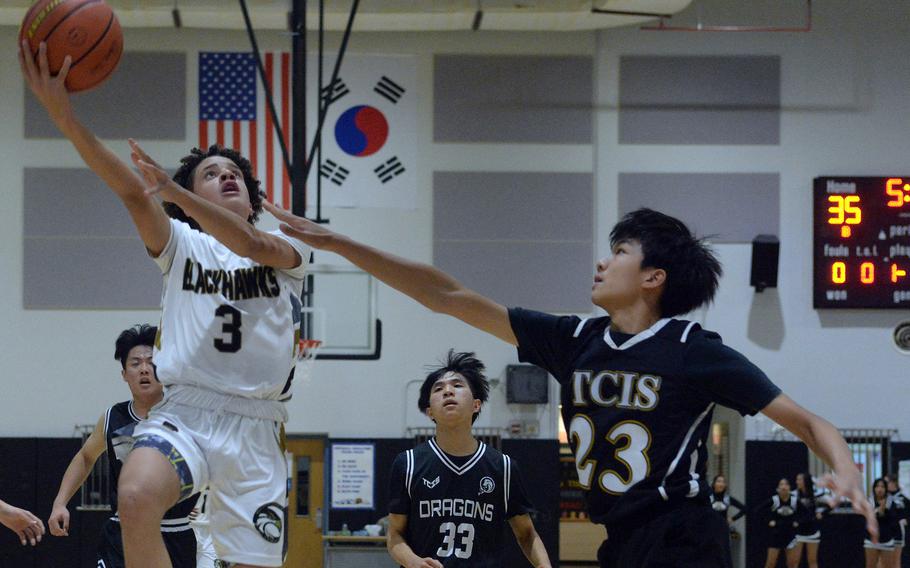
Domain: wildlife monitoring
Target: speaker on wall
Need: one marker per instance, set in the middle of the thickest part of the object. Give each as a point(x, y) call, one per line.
point(765, 252)
point(526, 384)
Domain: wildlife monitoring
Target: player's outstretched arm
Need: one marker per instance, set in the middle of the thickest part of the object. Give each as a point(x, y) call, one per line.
point(147, 214)
point(431, 287)
point(229, 228)
point(529, 541)
point(399, 549)
point(827, 443)
point(76, 473)
point(29, 527)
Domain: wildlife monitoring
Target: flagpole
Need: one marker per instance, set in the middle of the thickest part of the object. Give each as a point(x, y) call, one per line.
point(324, 109)
point(322, 100)
point(268, 92)
point(299, 104)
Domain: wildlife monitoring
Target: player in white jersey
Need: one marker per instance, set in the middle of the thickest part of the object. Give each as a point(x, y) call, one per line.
point(226, 349)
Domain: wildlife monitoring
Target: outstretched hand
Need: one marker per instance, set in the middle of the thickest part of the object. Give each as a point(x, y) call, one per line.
point(29, 528)
point(850, 486)
point(313, 234)
point(157, 181)
point(50, 90)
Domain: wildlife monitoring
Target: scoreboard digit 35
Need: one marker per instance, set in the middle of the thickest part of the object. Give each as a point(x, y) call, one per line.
point(861, 242)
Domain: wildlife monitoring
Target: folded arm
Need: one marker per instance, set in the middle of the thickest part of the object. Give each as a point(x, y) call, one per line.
point(232, 230)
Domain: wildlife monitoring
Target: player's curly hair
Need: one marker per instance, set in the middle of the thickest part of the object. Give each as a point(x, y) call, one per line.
point(466, 365)
point(139, 334)
point(666, 243)
point(184, 178)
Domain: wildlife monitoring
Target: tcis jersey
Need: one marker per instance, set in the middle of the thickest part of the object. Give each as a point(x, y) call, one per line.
point(638, 408)
point(456, 506)
point(228, 324)
point(119, 422)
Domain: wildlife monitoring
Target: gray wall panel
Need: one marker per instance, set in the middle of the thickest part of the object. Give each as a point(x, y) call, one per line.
point(513, 205)
point(72, 202)
point(524, 99)
point(89, 273)
point(554, 277)
point(81, 249)
point(145, 98)
point(734, 207)
point(699, 100)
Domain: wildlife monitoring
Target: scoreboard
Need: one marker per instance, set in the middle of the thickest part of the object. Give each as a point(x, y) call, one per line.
point(861, 242)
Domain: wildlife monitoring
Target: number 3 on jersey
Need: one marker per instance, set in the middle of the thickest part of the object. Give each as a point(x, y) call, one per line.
point(465, 547)
point(229, 342)
point(633, 454)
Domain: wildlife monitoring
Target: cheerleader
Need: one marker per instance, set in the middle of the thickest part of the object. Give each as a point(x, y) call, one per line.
point(808, 525)
point(901, 508)
point(881, 554)
point(721, 501)
point(783, 521)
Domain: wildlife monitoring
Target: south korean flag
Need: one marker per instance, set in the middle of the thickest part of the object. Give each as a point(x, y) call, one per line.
point(369, 137)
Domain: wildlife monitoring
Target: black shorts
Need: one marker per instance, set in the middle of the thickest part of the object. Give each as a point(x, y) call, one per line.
point(693, 536)
point(181, 547)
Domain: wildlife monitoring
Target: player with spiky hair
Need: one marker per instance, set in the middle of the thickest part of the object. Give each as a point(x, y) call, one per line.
point(451, 495)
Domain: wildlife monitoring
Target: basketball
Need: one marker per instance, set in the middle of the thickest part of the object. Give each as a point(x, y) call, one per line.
point(86, 30)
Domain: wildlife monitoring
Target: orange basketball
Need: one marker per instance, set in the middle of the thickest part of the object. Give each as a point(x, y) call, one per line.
point(86, 30)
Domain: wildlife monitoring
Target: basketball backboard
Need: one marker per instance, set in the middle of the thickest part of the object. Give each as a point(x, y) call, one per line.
point(339, 308)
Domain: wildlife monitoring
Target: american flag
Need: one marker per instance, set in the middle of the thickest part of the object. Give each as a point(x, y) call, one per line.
point(233, 112)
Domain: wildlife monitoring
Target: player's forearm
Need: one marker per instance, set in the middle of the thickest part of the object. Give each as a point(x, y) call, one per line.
point(76, 473)
point(535, 551)
point(116, 173)
point(422, 282)
point(400, 551)
point(231, 230)
point(827, 443)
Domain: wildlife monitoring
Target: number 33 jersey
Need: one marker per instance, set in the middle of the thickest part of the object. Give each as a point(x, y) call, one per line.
point(228, 324)
point(456, 505)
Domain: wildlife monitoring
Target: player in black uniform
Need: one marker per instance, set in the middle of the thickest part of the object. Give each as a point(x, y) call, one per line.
point(451, 495)
point(782, 524)
point(113, 434)
point(808, 523)
point(638, 386)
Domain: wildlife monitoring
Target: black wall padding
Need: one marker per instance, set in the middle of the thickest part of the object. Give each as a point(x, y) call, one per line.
point(30, 474)
point(766, 464)
point(18, 487)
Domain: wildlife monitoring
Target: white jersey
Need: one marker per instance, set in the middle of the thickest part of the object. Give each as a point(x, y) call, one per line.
point(227, 324)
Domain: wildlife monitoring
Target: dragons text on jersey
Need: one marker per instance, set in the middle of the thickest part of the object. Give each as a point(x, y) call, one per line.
point(456, 506)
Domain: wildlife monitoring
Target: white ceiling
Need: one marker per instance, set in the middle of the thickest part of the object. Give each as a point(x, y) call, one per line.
point(382, 15)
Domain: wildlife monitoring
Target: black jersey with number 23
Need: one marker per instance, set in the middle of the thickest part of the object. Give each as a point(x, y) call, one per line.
point(637, 409)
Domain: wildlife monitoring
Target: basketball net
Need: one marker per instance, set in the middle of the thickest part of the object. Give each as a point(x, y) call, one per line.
point(307, 349)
